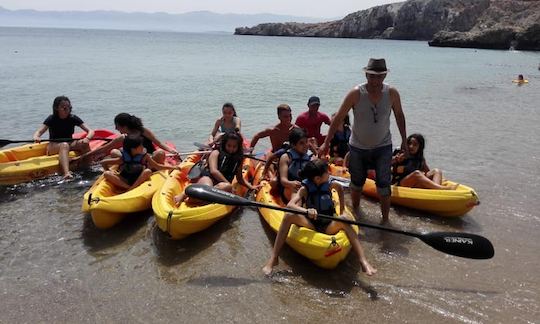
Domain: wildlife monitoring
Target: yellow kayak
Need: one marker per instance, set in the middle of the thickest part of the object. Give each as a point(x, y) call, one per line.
point(108, 205)
point(326, 251)
point(187, 219)
point(447, 203)
point(31, 162)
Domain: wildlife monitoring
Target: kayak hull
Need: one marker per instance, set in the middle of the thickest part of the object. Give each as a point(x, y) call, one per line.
point(446, 203)
point(188, 218)
point(30, 162)
point(326, 251)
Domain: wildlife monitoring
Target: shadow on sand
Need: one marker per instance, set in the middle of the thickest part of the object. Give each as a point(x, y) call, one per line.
point(337, 282)
point(171, 252)
point(96, 239)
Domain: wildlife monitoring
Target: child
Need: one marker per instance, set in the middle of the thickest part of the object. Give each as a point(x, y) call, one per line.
point(291, 163)
point(339, 145)
point(279, 133)
point(128, 124)
point(413, 171)
point(316, 192)
point(228, 123)
point(61, 124)
point(223, 165)
point(136, 164)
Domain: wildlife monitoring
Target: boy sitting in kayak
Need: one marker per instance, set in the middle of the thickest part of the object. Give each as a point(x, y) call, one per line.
point(136, 165)
point(412, 171)
point(315, 197)
point(223, 165)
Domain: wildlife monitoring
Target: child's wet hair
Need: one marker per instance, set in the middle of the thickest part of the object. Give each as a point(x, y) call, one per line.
point(229, 105)
point(314, 169)
point(296, 135)
point(131, 142)
point(56, 104)
point(130, 121)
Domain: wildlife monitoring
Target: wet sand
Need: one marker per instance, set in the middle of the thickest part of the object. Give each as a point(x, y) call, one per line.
point(57, 267)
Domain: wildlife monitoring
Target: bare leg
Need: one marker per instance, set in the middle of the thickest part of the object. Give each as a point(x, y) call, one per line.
point(178, 199)
point(335, 227)
point(145, 175)
point(418, 179)
point(435, 175)
point(288, 220)
point(385, 208)
point(355, 197)
point(114, 179)
point(63, 157)
point(159, 156)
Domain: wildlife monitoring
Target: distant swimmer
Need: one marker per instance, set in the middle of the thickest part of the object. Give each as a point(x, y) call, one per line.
point(520, 80)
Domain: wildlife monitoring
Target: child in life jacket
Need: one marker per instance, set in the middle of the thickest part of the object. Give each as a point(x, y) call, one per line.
point(136, 164)
point(291, 162)
point(412, 171)
point(313, 198)
point(224, 164)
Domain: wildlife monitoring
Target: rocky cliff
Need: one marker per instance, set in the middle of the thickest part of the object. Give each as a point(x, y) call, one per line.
point(456, 23)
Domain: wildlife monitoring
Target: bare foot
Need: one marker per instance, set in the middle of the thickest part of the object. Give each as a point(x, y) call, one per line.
point(368, 268)
point(385, 221)
point(269, 266)
point(68, 176)
point(454, 187)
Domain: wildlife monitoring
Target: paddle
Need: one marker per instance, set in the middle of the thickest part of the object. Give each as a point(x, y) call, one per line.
point(464, 245)
point(4, 142)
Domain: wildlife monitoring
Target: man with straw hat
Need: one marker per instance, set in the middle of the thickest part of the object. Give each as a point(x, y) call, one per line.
point(371, 141)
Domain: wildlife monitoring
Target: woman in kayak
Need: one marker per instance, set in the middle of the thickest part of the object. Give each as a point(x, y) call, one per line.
point(412, 171)
point(224, 164)
point(136, 164)
point(229, 122)
point(315, 197)
point(61, 124)
point(128, 124)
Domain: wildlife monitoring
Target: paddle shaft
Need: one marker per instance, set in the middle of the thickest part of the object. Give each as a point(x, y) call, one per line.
point(338, 219)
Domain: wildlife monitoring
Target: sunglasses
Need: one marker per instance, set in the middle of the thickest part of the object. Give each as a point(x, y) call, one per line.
point(375, 114)
point(375, 76)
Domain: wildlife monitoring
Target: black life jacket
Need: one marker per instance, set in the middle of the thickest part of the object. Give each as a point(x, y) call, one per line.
point(408, 166)
point(319, 197)
point(228, 165)
point(132, 164)
point(297, 163)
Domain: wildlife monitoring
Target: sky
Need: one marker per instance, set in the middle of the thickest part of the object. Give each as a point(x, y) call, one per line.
point(306, 8)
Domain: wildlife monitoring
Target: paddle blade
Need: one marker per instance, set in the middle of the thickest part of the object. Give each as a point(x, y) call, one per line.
point(213, 195)
point(464, 245)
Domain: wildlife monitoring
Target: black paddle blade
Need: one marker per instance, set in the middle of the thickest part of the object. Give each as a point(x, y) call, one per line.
point(213, 195)
point(4, 142)
point(464, 245)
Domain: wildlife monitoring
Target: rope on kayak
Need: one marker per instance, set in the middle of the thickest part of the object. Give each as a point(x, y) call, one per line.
point(169, 217)
point(91, 200)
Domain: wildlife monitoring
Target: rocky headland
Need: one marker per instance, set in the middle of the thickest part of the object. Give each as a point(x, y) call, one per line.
point(496, 24)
